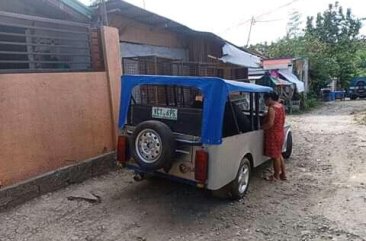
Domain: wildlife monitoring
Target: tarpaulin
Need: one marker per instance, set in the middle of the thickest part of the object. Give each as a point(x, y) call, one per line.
point(293, 79)
point(234, 55)
point(214, 90)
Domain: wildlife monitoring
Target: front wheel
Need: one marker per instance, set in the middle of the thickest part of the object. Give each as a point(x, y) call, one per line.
point(288, 152)
point(241, 183)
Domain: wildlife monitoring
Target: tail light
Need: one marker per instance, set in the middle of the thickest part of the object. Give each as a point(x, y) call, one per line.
point(122, 149)
point(201, 166)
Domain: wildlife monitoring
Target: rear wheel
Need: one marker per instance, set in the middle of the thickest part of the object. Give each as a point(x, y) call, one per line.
point(353, 97)
point(241, 183)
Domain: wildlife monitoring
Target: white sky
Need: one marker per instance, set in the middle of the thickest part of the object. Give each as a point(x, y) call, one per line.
point(230, 19)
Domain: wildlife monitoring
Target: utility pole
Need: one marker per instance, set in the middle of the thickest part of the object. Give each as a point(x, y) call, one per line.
point(250, 30)
point(103, 12)
point(144, 4)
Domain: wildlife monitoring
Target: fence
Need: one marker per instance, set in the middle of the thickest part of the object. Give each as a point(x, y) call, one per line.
point(35, 44)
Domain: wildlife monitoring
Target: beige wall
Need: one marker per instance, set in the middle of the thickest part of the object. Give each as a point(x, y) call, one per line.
point(133, 31)
point(111, 50)
point(50, 120)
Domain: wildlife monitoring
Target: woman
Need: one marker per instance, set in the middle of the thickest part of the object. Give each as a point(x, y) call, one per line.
point(274, 135)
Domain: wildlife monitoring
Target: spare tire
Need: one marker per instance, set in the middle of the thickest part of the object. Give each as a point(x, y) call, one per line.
point(153, 145)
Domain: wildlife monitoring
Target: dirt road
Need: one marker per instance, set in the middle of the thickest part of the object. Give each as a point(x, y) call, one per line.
point(324, 199)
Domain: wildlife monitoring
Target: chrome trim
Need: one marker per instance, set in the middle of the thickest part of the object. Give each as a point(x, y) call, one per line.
point(183, 152)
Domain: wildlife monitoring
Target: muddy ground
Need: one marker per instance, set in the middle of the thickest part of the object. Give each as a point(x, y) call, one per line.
point(324, 199)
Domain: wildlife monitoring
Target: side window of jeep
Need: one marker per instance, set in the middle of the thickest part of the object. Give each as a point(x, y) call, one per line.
point(243, 113)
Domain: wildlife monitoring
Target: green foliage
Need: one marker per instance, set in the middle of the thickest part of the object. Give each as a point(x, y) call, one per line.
point(334, 27)
point(361, 59)
point(311, 103)
point(331, 43)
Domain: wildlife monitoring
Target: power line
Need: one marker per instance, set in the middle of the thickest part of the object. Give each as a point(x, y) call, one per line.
point(278, 8)
point(269, 20)
point(261, 15)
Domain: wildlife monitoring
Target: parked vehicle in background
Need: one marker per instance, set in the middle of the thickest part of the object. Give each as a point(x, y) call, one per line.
point(357, 88)
point(201, 131)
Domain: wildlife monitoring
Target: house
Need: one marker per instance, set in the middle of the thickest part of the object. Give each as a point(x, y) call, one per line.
point(152, 44)
point(293, 70)
point(37, 37)
point(59, 90)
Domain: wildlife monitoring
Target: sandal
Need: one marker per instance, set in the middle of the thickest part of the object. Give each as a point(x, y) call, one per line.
point(271, 178)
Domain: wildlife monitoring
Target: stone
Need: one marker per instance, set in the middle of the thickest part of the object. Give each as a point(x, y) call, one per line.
point(84, 196)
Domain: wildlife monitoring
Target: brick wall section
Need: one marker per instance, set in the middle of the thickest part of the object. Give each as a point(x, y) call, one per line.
point(96, 50)
point(52, 181)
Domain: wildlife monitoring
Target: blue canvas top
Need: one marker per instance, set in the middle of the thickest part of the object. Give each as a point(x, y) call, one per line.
point(214, 90)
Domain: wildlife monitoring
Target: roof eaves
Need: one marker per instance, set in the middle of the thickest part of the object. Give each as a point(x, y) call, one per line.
point(171, 24)
point(78, 7)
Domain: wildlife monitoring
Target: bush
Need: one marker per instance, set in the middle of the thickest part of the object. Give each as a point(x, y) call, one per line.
point(311, 103)
point(307, 104)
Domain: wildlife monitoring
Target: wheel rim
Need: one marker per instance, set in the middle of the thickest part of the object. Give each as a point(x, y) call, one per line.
point(148, 146)
point(243, 178)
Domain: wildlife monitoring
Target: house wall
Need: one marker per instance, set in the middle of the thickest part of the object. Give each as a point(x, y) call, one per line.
point(50, 120)
point(139, 39)
point(54, 9)
point(136, 32)
point(201, 46)
point(129, 50)
point(198, 45)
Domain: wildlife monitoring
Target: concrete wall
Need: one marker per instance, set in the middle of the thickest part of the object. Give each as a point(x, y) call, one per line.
point(50, 120)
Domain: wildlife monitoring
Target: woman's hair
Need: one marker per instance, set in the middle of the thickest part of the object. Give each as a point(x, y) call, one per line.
point(273, 95)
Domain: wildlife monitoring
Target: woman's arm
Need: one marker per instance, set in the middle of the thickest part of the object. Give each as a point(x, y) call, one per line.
point(270, 119)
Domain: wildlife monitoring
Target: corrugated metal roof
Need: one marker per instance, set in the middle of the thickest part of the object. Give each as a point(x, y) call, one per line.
point(78, 6)
point(141, 15)
point(144, 16)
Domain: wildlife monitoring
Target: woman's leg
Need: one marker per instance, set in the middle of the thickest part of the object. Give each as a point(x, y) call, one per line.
point(276, 167)
point(283, 169)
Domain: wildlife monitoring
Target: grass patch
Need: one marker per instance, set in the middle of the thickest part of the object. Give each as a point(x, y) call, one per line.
point(309, 104)
point(360, 118)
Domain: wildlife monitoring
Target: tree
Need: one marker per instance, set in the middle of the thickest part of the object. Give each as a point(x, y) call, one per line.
point(340, 33)
point(330, 42)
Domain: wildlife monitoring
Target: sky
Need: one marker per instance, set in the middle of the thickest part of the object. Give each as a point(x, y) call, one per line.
point(231, 19)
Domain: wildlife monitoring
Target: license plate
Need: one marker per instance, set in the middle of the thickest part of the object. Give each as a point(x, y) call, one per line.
point(165, 113)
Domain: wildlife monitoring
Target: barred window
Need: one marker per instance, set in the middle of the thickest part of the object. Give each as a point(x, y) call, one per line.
point(162, 95)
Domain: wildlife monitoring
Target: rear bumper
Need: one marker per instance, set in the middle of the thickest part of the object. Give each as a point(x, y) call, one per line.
point(138, 170)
